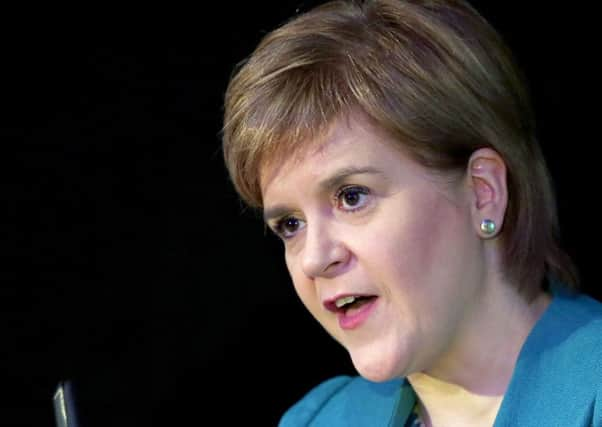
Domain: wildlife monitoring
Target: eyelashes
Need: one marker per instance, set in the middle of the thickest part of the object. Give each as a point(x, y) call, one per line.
point(351, 198)
point(348, 199)
point(287, 226)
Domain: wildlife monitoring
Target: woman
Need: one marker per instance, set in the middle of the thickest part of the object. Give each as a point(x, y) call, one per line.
point(391, 145)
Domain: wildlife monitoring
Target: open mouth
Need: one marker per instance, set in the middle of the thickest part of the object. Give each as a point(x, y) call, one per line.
point(349, 303)
point(352, 311)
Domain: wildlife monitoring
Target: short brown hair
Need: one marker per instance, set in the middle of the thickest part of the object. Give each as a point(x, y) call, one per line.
point(433, 74)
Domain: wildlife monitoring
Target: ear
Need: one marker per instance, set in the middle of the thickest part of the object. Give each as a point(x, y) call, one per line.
point(489, 192)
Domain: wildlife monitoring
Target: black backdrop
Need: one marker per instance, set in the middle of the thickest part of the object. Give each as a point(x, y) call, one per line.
point(131, 266)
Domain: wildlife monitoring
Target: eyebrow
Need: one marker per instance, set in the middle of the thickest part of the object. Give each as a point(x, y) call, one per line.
point(333, 181)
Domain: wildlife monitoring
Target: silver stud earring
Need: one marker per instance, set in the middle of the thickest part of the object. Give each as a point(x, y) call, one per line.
point(488, 226)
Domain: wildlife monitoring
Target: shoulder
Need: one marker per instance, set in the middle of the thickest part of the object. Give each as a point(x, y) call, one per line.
point(344, 400)
point(574, 324)
point(306, 409)
point(558, 375)
point(569, 331)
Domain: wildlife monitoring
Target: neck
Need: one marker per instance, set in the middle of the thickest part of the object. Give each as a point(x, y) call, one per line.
point(447, 404)
point(479, 363)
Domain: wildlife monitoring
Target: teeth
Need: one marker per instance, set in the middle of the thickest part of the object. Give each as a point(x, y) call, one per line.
point(343, 301)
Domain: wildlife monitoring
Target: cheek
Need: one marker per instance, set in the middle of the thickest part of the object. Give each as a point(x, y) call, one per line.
point(417, 246)
point(407, 238)
point(304, 287)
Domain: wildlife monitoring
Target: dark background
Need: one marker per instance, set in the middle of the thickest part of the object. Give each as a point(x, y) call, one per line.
point(131, 266)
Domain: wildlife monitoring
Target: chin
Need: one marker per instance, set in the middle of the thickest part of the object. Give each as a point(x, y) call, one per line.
point(376, 369)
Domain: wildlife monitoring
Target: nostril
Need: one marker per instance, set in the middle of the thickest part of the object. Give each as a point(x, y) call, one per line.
point(333, 264)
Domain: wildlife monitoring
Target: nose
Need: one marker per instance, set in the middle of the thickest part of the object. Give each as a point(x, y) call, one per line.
point(324, 252)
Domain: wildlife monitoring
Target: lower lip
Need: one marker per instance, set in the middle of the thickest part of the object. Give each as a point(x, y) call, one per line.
point(356, 319)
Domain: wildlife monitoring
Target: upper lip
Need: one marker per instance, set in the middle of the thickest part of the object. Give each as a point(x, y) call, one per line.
point(330, 304)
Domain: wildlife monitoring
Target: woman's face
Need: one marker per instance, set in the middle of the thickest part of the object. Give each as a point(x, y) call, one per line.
point(381, 251)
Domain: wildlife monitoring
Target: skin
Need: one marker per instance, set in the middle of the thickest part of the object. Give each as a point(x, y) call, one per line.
point(397, 230)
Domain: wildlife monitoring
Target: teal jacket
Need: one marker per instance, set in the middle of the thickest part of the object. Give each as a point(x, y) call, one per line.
point(557, 380)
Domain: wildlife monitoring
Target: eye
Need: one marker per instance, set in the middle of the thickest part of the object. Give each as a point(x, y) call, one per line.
point(352, 198)
point(288, 226)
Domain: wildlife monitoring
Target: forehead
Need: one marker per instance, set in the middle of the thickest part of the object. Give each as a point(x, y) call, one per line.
point(348, 148)
point(347, 140)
